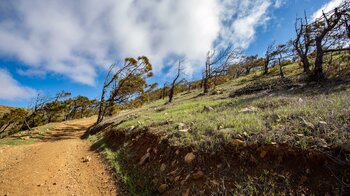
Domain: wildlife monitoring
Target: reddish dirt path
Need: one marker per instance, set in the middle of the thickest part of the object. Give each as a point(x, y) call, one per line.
point(55, 166)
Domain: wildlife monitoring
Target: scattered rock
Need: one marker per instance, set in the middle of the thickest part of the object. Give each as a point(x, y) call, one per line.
point(263, 153)
point(322, 123)
point(155, 181)
point(207, 109)
point(25, 138)
point(177, 178)
point(131, 128)
point(155, 150)
point(183, 130)
point(161, 109)
point(214, 183)
point(308, 124)
point(169, 121)
point(249, 109)
point(173, 172)
point(237, 142)
point(197, 175)
point(276, 118)
point(180, 126)
point(54, 183)
point(322, 143)
point(162, 167)
point(189, 157)
point(186, 193)
point(86, 159)
point(162, 188)
point(173, 163)
point(144, 158)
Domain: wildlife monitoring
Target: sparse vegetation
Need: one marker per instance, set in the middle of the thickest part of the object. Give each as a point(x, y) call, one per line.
point(278, 124)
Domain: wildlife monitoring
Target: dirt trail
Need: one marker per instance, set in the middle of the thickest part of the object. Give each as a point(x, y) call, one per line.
point(55, 166)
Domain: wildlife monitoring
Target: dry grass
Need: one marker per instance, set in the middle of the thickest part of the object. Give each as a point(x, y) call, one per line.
point(306, 117)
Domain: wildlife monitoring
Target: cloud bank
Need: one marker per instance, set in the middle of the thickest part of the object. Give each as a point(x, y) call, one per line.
point(12, 89)
point(76, 38)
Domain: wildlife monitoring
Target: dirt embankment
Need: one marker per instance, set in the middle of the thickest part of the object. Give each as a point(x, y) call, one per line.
point(155, 167)
point(62, 164)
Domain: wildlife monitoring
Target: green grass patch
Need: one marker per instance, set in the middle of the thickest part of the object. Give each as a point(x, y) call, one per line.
point(16, 141)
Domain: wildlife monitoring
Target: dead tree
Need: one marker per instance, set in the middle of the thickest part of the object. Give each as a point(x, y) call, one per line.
point(282, 53)
point(164, 90)
point(302, 43)
point(330, 33)
point(220, 60)
point(269, 56)
point(172, 89)
point(330, 24)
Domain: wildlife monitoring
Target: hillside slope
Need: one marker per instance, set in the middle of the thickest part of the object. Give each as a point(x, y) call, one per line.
point(4, 109)
point(253, 135)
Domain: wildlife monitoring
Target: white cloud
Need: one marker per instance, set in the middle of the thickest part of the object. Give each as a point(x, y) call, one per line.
point(242, 18)
point(11, 89)
point(326, 8)
point(75, 38)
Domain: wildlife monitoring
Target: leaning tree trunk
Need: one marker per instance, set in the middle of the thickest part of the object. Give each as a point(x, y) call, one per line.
point(101, 107)
point(318, 71)
point(281, 69)
point(306, 65)
point(205, 85)
point(266, 66)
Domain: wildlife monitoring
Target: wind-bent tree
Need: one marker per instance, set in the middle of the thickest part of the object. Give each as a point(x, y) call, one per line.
point(54, 107)
point(329, 33)
point(249, 62)
point(217, 64)
point(323, 29)
point(282, 53)
point(172, 89)
point(303, 42)
point(269, 56)
point(124, 83)
point(11, 122)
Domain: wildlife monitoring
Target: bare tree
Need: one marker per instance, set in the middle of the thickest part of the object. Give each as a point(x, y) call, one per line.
point(302, 43)
point(269, 56)
point(330, 24)
point(172, 89)
point(283, 52)
point(220, 61)
point(329, 33)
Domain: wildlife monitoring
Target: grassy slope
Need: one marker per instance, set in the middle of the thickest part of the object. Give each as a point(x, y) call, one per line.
point(282, 117)
point(4, 109)
point(28, 137)
point(288, 125)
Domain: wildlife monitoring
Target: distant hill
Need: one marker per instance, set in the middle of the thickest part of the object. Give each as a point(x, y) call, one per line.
point(4, 109)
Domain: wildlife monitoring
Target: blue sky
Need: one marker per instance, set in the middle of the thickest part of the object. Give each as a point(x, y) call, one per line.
point(49, 46)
